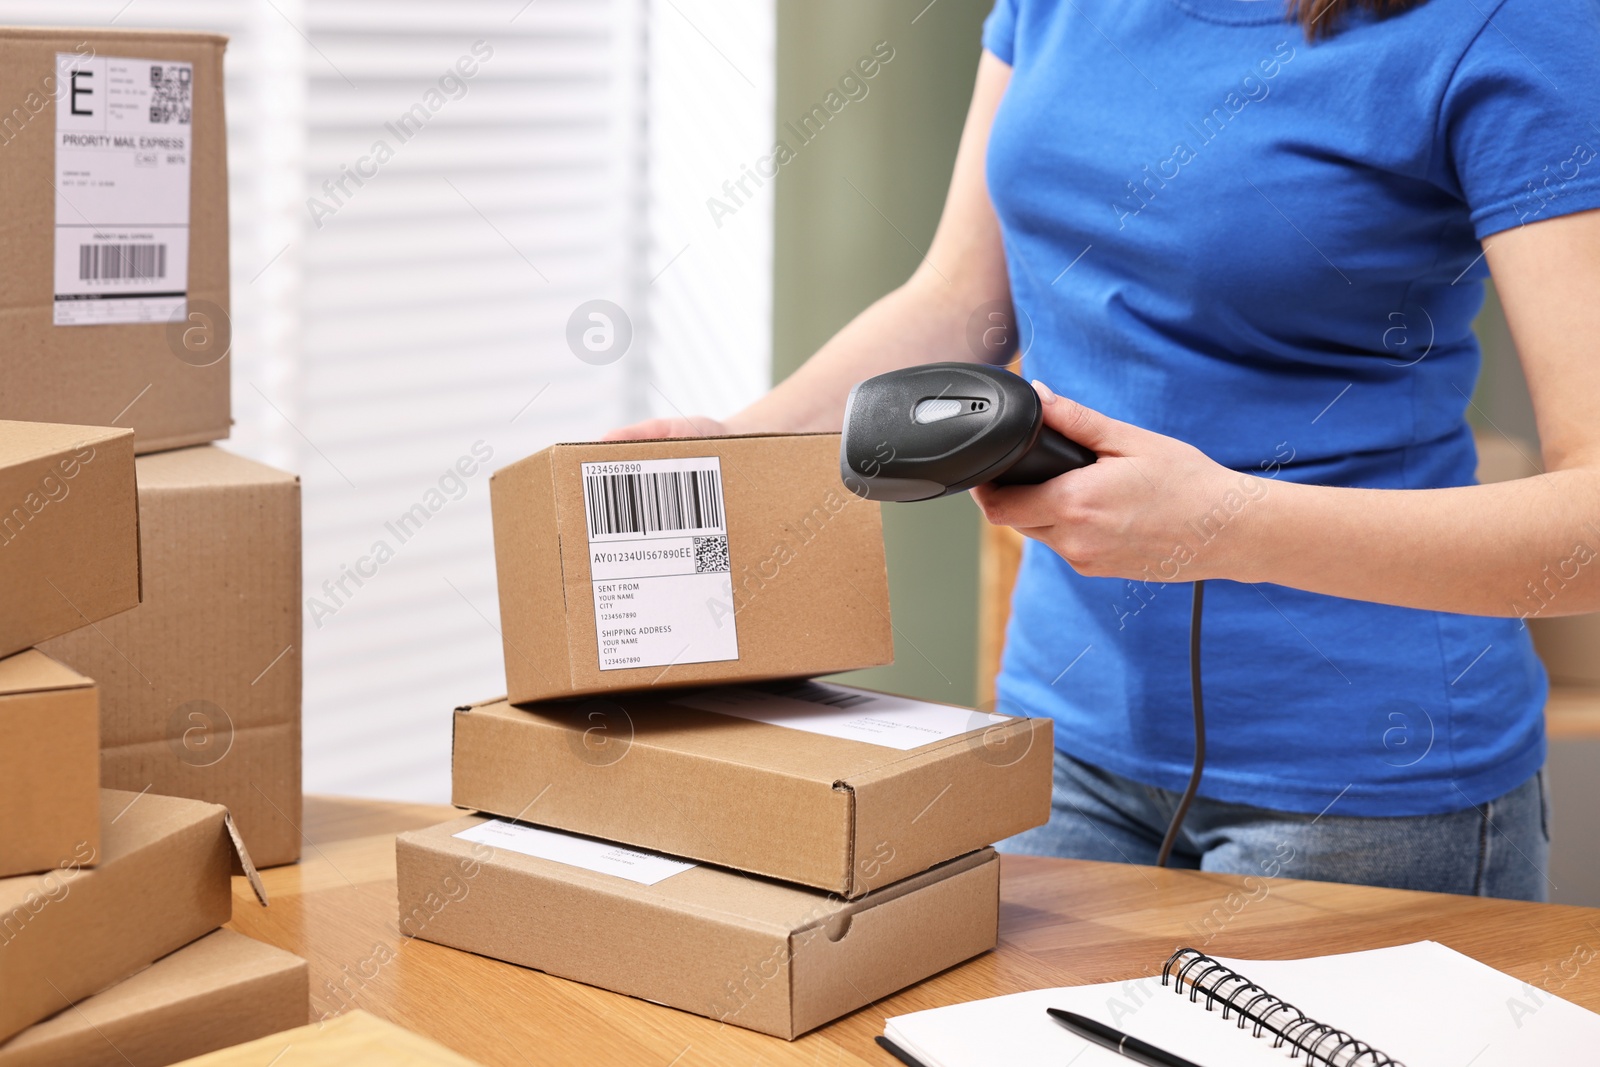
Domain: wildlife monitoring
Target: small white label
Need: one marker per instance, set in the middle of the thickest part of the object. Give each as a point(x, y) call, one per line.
point(845, 712)
point(658, 562)
point(124, 137)
point(602, 857)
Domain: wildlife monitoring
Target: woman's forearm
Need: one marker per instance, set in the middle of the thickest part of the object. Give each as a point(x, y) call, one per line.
point(923, 321)
point(919, 322)
point(1520, 548)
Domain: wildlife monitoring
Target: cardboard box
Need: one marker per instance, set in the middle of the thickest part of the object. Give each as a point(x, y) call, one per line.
point(354, 1038)
point(626, 565)
point(771, 957)
point(221, 990)
point(1570, 647)
point(200, 686)
point(166, 377)
point(49, 764)
point(835, 812)
point(164, 878)
point(69, 528)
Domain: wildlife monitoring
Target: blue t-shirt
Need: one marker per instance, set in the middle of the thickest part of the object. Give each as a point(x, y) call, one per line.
point(1272, 250)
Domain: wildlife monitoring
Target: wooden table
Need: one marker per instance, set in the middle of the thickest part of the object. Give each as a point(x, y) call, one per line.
point(1063, 922)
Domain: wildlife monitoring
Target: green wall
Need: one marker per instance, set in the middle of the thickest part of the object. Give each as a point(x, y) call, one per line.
point(835, 254)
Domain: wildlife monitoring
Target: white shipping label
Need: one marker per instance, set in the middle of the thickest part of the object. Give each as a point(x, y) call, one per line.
point(602, 857)
point(658, 562)
point(845, 712)
point(124, 137)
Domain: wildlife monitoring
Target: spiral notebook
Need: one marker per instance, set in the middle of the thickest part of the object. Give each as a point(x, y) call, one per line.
point(1420, 1005)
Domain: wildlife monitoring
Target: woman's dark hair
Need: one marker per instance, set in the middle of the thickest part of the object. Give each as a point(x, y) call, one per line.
point(1320, 18)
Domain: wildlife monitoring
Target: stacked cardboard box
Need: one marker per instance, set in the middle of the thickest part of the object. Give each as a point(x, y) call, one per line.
point(159, 880)
point(668, 806)
point(210, 994)
point(200, 684)
point(152, 578)
point(114, 311)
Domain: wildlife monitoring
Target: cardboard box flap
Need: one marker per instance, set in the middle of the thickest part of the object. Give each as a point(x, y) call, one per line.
point(34, 672)
point(160, 818)
point(241, 861)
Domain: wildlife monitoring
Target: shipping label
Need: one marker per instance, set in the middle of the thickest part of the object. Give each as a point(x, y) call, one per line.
point(602, 857)
point(124, 139)
point(658, 562)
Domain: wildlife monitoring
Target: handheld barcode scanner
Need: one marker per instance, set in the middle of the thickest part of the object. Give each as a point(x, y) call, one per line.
point(942, 428)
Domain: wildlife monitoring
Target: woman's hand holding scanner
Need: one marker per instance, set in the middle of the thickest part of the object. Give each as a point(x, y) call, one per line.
point(1150, 507)
point(928, 431)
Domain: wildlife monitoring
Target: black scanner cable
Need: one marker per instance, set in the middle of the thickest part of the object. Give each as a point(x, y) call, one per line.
point(930, 430)
point(1174, 827)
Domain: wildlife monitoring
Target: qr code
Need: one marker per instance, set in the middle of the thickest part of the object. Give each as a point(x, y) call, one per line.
point(711, 554)
point(171, 94)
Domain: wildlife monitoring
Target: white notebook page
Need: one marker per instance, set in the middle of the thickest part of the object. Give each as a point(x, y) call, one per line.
point(1430, 1006)
point(1015, 1030)
point(1424, 1004)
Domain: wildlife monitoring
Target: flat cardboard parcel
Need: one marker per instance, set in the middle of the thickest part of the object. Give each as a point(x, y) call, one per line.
point(771, 957)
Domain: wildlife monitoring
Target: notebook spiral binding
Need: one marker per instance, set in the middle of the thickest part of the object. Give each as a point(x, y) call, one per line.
point(1323, 1045)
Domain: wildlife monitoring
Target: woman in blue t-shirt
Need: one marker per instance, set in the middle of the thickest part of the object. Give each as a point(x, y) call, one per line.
point(1245, 247)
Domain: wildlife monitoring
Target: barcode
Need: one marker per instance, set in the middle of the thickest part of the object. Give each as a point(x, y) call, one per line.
point(170, 96)
point(118, 262)
point(817, 693)
point(652, 502)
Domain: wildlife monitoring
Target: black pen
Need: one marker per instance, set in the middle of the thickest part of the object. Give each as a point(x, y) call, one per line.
point(1117, 1041)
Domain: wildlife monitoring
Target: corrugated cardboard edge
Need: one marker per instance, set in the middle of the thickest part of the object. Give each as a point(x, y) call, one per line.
point(513, 640)
point(242, 856)
point(138, 528)
point(561, 573)
point(696, 437)
point(45, 33)
point(1039, 733)
point(809, 1007)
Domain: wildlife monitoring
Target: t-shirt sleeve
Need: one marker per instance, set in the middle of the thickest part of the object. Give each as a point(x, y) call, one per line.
point(1000, 30)
point(1519, 124)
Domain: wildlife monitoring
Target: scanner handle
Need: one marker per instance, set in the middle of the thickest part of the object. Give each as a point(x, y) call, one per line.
point(1050, 456)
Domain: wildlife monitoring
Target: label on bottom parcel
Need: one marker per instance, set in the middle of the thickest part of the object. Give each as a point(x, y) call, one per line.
point(124, 139)
point(602, 857)
point(658, 562)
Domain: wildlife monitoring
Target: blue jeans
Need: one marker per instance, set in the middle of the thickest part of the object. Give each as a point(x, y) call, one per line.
point(1499, 849)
